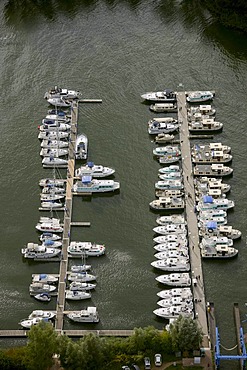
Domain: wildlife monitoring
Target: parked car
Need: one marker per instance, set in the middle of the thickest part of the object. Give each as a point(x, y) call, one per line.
point(157, 359)
point(147, 363)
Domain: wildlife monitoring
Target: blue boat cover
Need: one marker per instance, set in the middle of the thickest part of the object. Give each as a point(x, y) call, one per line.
point(48, 242)
point(211, 225)
point(208, 199)
point(86, 179)
point(42, 276)
point(90, 164)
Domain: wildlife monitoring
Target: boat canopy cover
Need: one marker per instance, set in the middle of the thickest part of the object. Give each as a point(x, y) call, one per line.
point(42, 276)
point(168, 91)
point(86, 179)
point(90, 164)
point(211, 225)
point(47, 234)
point(48, 242)
point(208, 199)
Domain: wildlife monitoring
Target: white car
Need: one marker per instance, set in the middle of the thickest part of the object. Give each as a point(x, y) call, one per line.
point(157, 359)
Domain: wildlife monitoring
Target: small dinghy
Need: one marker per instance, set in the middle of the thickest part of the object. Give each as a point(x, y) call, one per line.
point(80, 268)
point(43, 297)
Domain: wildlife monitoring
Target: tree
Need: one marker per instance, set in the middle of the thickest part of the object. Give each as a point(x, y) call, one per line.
point(185, 334)
point(42, 343)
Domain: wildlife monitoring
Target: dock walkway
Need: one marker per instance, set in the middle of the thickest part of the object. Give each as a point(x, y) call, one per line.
point(67, 221)
point(193, 235)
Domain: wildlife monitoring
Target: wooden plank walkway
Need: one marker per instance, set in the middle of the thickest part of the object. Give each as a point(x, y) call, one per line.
point(193, 235)
point(67, 220)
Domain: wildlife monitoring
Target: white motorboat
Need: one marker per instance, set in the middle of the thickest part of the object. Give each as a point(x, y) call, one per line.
point(165, 127)
point(215, 240)
point(59, 102)
point(172, 246)
point(44, 278)
point(218, 251)
point(89, 185)
point(212, 213)
point(85, 249)
point(43, 314)
point(163, 107)
point(172, 264)
point(37, 252)
point(167, 203)
point(52, 182)
point(58, 117)
point(173, 219)
point(59, 112)
point(204, 184)
point(170, 169)
point(216, 169)
point(80, 268)
point(28, 323)
point(203, 109)
point(49, 236)
point(211, 157)
point(89, 314)
point(206, 124)
point(91, 169)
point(212, 228)
point(54, 144)
point(81, 147)
point(51, 126)
point(164, 138)
point(47, 152)
point(50, 225)
point(209, 203)
point(43, 297)
point(81, 286)
point(53, 190)
point(58, 92)
point(166, 95)
point(176, 301)
point(51, 162)
point(219, 220)
point(51, 196)
point(178, 280)
point(39, 288)
point(180, 239)
point(169, 193)
point(169, 184)
point(75, 295)
point(82, 277)
point(168, 159)
point(170, 176)
point(185, 293)
point(199, 96)
point(174, 312)
point(167, 150)
point(210, 147)
point(171, 254)
point(51, 204)
point(53, 135)
point(170, 229)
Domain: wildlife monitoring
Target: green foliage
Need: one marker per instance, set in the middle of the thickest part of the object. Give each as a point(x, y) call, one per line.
point(42, 344)
point(186, 335)
point(12, 359)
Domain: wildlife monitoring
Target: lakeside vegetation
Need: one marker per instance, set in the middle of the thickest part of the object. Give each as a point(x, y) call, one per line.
point(92, 352)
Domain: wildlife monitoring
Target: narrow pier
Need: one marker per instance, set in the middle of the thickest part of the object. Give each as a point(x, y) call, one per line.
point(193, 235)
point(67, 221)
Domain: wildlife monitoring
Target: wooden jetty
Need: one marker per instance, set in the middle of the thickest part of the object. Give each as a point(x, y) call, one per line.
point(193, 234)
point(90, 101)
point(67, 221)
point(81, 223)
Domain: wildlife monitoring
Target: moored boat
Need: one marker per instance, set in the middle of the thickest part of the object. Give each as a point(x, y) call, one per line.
point(170, 229)
point(164, 127)
point(75, 295)
point(177, 279)
point(44, 278)
point(39, 288)
point(169, 184)
point(81, 147)
point(172, 219)
point(175, 292)
point(89, 185)
point(51, 162)
point(167, 203)
point(89, 314)
point(218, 252)
point(58, 92)
point(163, 107)
point(166, 95)
point(216, 169)
point(91, 169)
point(164, 138)
point(174, 312)
point(38, 252)
point(82, 277)
point(43, 297)
point(85, 249)
point(81, 286)
point(172, 264)
point(199, 96)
